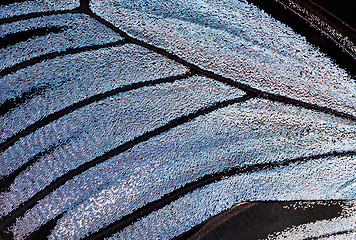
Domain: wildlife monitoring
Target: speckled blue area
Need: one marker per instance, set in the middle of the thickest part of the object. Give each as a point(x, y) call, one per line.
point(105, 125)
point(79, 30)
point(72, 78)
point(238, 40)
point(222, 140)
point(199, 125)
point(34, 6)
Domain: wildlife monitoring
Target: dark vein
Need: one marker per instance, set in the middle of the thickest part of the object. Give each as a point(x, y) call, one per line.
point(6, 181)
point(331, 234)
point(311, 106)
point(228, 81)
point(53, 55)
point(84, 5)
point(329, 43)
point(10, 104)
point(54, 116)
point(10, 218)
point(144, 211)
point(14, 38)
point(332, 38)
point(203, 181)
point(38, 14)
point(45, 230)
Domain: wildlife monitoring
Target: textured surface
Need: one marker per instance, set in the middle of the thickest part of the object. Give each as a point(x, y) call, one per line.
point(137, 118)
point(35, 6)
point(237, 40)
point(283, 183)
point(104, 125)
point(256, 220)
point(78, 30)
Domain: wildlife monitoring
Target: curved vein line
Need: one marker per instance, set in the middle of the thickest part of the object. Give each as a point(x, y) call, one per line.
point(6, 181)
point(38, 14)
point(22, 36)
point(54, 116)
point(45, 230)
point(10, 218)
point(53, 55)
point(228, 81)
point(12, 103)
point(203, 181)
point(325, 33)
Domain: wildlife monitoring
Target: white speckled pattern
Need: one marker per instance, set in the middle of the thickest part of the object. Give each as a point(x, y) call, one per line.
point(31, 6)
point(107, 124)
point(72, 78)
point(78, 30)
point(91, 156)
point(285, 183)
point(222, 140)
point(237, 40)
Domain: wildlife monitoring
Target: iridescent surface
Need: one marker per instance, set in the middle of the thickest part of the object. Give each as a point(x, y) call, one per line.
point(15, 9)
point(227, 138)
point(72, 78)
point(107, 124)
point(179, 122)
point(236, 39)
point(78, 30)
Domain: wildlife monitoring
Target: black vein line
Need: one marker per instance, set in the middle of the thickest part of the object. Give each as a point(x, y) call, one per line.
point(38, 14)
point(14, 38)
point(54, 116)
point(277, 10)
point(10, 104)
point(84, 5)
point(261, 94)
point(10, 218)
point(228, 81)
point(6, 181)
point(45, 230)
point(203, 181)
point(331, 234)
point(315, 26)
point(240, 85)
point(53, 55)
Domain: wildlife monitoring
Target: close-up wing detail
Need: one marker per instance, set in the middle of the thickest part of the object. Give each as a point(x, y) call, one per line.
point(155, 119)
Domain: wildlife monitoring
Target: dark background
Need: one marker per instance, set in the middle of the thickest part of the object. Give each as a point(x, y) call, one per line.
point(343, 9)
